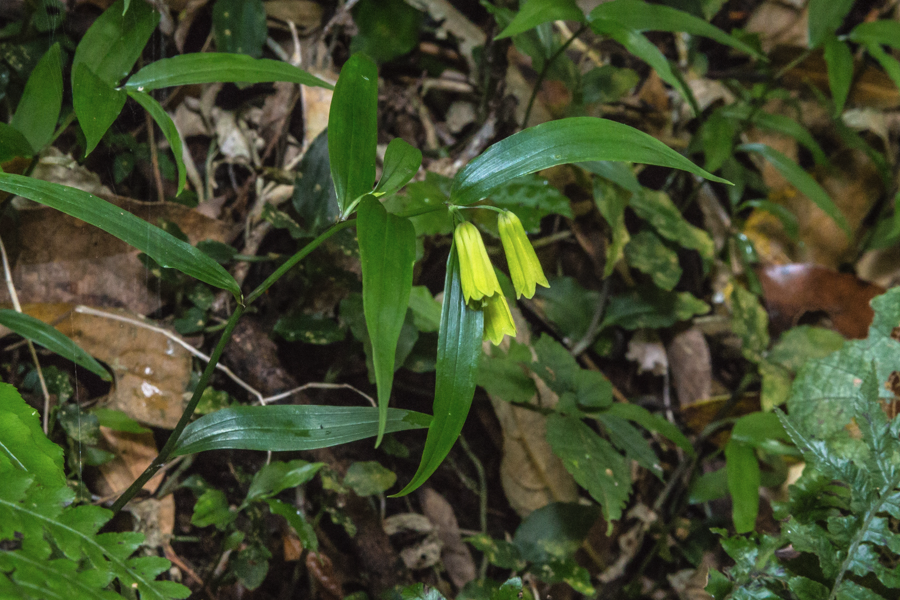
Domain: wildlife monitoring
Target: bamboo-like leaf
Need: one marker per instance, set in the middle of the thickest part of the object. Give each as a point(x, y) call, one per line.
point(878, 32)
point(353, 131)
point(168, 128)
point(162, 247)
point(743, 475)
point(188, 69)
point(97, 104)
point(890, 64)
point(778, 123)
point(401, 162)
point(576, 139)
point(801, 180)
point(13, 143)
point(50, 338)
point(38, 109)
point(458, 355)
point(536, 12)
point(387, 252)
point(840, 71)
point(290, 428)
point(643, 16)
point(825, 17)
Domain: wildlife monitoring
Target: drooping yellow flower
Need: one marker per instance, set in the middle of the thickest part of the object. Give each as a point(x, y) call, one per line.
point(498, 320)
point(475, 270)
point(524, 266)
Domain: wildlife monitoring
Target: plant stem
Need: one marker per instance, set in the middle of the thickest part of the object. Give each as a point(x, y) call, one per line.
point(170, 444)
point(546, 69)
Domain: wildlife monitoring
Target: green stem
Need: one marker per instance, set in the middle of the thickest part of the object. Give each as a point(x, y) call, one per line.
point(545, 70)
point(170, 444)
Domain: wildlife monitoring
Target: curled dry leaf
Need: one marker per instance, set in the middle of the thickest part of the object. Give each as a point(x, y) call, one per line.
point(455, 554)
point(134, 453)
point(691, 366)
point(425, 549)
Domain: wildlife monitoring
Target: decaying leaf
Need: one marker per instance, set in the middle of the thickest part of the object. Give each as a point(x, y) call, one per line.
point(455, 554)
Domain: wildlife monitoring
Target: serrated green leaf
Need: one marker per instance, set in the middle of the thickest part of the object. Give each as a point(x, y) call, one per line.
point(825, 17)
point(504, 378)
point(24, 443)
point(290, 428)
point(240, 26)
point(629, 440)
point(531, 198)
point(353, 131)
point(212, 67)
point(458, 354)
point(401, 163)
point(572, 140)
point(592, 462)
point(50, 338)
point(162, 247)
point(97, 104)
point(750, 322)
point(212, 508)
point(659, 17)
point(801, 180)
point(536, 12)
point(611, 202)
point(839, 61)
point(647, 253)
point(658, 209)
point(39, 106)
point(168, 128)
point(654, 423)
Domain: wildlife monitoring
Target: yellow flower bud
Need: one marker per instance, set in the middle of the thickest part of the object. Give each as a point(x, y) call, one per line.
point(498, 320)
point(524, 266)
point(475, 270)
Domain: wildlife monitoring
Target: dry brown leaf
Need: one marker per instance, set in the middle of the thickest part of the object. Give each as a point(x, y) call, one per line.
point(134, 453)
point(155, 519)
point(455, 554)
point(691, 366)
point(302, 13)
point(316, 105)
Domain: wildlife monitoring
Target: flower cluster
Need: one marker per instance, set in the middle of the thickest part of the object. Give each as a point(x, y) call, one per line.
point(479, 282)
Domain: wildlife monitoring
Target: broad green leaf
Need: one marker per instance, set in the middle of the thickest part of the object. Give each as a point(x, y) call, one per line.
point(458, 355)
point(387, 29)
point(556, 530)
point(839, 60)
point(803, 343)
point(643, 16)
point(401, 162)
point(535, 12)
point(23, 442)
point(658, 209)
point(314, 198)
point(499, 553)
point(750, 322)
point(503, 377)
point(50, 338)
point(168, 128)
point(277, 476)
point(387, 253)
point(650, 307)
point(212, 67)
point(778, 123)
point(577, 139)
point(165, 249)
point(353, 131)
point(97, 104)
point(638, 44)
point(825, 17)
point(13, 143)
point(118, 421)
point(878, 32)
point(801, 180)
point(115, 41)
point(743, 483)
point(418, 591)
point(38, 109)
point(240, 26)
point(212, 508)
point(290, 428)
point(611, 201)
point(717, 137)
point(649, 254)
point(295, 519)
point(425, 309)
point(368, 478)
point(592, 461)
point(309, 329)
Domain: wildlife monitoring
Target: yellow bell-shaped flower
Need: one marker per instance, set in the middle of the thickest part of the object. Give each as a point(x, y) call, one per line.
point(524, 266)
point(475, 270)
point(498, 320)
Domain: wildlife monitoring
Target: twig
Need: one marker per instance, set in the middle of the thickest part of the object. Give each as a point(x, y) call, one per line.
point(321, 386)
point(546, 68)
point(154, 158)
point(7, 274)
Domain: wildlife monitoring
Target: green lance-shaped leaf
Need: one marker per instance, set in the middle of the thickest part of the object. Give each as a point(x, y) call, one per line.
point(38, 109)
point(743, 475)
point(458, 355)
point(877, 32)
point(800, 179)
point(13, 143)
point(353, 131)
point(839, 60)
point(50, 338)
point(778, 123)
point(825, 17)
point(23, 442)
point(890, 64)
point(643, 16)
point(162, 247)
point(97, 104)
point(576, 139)
point(105, 55)
point(401, 162)
point(290, 428)
point(387, 252)
point(536, 12)
point(189, 69)
point(168, 128)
